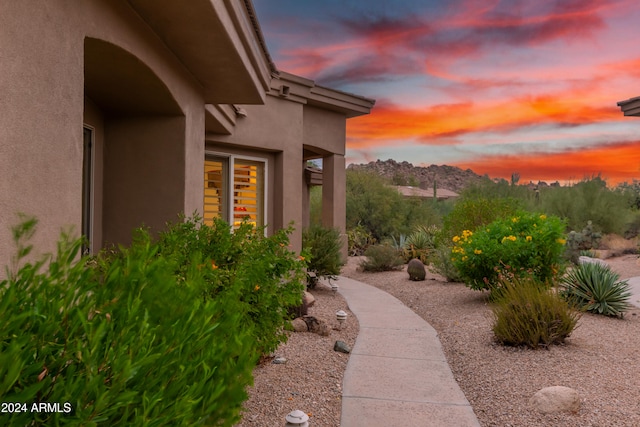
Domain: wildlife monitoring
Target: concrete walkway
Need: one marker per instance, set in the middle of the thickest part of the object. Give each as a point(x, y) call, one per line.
point(397, 374)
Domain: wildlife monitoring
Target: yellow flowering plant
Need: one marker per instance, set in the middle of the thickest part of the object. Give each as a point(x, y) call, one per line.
point(523, 243)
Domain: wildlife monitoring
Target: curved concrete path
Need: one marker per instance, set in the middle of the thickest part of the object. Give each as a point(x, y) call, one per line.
point(397, 374)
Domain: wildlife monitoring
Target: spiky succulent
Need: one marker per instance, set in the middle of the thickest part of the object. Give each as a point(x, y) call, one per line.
point(594, 287)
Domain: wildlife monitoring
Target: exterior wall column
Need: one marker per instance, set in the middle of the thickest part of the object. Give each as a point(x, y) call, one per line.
point(334, 196)
point(288, 206)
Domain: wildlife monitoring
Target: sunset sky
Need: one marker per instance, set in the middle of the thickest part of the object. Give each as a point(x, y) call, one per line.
point(527, 86)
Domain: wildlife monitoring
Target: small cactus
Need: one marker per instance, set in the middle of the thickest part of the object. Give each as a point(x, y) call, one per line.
point(416, 270)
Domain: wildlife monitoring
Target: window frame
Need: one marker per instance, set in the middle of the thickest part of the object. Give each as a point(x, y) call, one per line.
point(231, 160)
point(88, 187)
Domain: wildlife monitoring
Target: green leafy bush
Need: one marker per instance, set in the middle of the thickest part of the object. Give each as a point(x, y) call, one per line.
point(323, 246)
point(595, 288)
point(154, 334)
point(526, 313)
point(526, 243)
point(382, 258)
point(260, 273)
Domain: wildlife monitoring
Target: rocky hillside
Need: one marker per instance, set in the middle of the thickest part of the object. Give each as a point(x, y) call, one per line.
point(404, 173)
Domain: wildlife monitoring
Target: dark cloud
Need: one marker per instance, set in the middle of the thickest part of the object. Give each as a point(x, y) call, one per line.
point(420, 40)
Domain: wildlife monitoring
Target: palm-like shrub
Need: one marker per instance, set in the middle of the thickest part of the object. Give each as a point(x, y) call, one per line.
point(526, 313)
point(594, 287)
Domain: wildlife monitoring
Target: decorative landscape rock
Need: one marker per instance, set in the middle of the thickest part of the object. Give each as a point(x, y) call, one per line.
point(556, 399)
point(317, 326)
point(416, 270)
point(279, 361)
point(299, 325)
point(341, 347)
point(589, 260)
point(309, 299)
point(323, 329)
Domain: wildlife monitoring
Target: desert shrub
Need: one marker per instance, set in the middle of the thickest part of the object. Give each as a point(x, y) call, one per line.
point(380, 209)
point(526, 313)
point(594, 287)
point(136, 338)
point(373, 205)
point(381, 258)
point(441, 263)
point(632, 192)
point(526, 243)
point(588, 200)
point(440, 257)
point(502, 190)
point(359, 239)
point(323, 246)
point(471, 213)
point(315, 205)
point(420, 243)
point(633, 225)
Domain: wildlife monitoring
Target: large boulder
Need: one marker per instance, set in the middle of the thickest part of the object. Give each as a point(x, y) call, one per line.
point(299, 325)
point(556, 399)
point(416, 270)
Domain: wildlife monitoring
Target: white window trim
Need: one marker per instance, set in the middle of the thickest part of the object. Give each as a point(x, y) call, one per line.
point(232, 159)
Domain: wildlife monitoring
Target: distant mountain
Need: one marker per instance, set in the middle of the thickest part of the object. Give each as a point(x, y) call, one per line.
point(404, 173)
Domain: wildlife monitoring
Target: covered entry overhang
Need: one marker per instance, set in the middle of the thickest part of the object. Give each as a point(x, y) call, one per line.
point(218, 41)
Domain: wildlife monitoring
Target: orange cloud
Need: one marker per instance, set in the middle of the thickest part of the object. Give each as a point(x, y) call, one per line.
point(616, 163)
point(436, 124)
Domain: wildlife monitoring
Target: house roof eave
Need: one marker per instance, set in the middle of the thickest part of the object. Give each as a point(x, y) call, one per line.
point(306, 91)
point(630, 107)
point(218, 41)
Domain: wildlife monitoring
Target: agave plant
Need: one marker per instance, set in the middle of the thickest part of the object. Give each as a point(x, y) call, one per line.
point(420, 240)
point(594, 287)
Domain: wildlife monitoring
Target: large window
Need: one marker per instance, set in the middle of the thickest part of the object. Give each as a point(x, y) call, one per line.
point(234, 190)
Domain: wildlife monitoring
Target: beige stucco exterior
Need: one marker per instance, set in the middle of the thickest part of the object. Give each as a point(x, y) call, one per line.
point(156, 84)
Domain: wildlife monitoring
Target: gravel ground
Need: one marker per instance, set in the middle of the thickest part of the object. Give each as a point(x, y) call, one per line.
point(600, 360)
point(311, 379)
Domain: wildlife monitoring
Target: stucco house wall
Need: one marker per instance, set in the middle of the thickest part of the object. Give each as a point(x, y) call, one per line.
point(61, 55)
point(152, 85)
